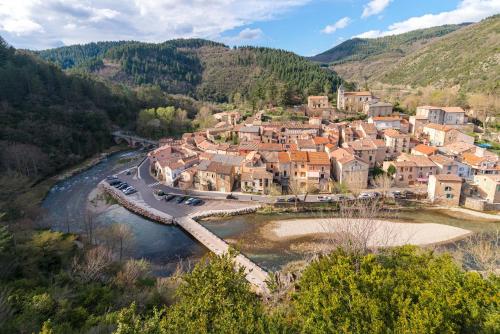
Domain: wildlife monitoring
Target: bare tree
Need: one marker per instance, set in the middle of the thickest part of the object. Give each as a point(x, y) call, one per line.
point(481, 252)
point(90, 226)
point(132, 271)
point(384, 183)
point(117, 237)
point(93, 267)
point(358, 228)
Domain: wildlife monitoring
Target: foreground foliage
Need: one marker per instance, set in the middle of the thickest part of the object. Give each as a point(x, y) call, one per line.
point(50, 285)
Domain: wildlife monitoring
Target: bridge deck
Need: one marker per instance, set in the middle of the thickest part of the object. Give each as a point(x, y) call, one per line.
point(254, 274)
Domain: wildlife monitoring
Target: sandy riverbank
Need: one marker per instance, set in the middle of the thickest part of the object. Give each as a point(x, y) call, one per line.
point(98, 202)
point(381, 233)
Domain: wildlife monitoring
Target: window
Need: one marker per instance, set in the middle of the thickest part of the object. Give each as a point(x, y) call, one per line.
point(447, 188)
point(449, 196)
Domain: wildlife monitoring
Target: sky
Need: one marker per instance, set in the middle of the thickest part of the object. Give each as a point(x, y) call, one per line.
point(306, 27)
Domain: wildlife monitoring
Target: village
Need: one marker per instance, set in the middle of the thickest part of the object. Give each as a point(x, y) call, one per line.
point(432, 152)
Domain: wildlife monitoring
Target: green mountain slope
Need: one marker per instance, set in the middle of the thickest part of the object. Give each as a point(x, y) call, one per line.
point(201, 69)
point(469, 57)
point(396, 45)
point(50, 119)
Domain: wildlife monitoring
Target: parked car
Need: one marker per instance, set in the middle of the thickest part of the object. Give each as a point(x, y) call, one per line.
point(130, 191)
point(231, 196)
point(114, 182)
point(170, 197)
point(342, 197)
point(123, 186)
point(197, 202)
point(293, 200)
point(129, 172)
point(159, 192)
point(190, 200)
point(280, 200)
point(365, 196)
point(324, 198)
point(180, 199)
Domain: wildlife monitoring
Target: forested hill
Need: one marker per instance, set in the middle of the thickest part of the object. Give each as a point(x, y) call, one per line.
point(361, 59)
point(202, 69)
point(50, 119)
point(395, 45)
point(469, 57)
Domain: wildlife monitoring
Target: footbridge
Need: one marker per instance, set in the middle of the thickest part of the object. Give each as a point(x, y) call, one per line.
point(254, 274)
point(132, 140)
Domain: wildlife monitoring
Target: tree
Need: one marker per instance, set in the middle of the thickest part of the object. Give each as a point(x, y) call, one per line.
point(391, 170)
point(399, 290)
point(384, 183)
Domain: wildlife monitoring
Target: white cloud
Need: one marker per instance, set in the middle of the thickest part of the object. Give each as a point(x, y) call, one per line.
point(466, 11)
point(370, 34)
point(244, 36)
point(340, 24)
point(37, 23)
point(374, 7)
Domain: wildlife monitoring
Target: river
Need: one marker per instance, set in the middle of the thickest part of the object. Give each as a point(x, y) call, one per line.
point(165, 246)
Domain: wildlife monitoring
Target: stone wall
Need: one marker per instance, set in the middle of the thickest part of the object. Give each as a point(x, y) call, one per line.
point(479, 204)
point(135, 207)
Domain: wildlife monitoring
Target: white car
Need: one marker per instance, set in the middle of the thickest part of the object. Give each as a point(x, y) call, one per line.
point(324, 198)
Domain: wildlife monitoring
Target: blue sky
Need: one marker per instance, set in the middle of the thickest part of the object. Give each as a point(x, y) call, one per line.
point(306, 27)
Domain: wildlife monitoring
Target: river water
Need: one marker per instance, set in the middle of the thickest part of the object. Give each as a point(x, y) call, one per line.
point(165, 246)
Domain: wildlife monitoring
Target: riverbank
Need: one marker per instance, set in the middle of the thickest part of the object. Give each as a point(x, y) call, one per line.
point(379, 233)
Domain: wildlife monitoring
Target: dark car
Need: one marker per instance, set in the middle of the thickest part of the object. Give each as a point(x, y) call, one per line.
point(180, 199)
point(231, 196)
point(170, 197)
point(197, 202)
point(114, 182)
point(293, 199)
point(123, 186)
point(160, 192)
point(280, 200)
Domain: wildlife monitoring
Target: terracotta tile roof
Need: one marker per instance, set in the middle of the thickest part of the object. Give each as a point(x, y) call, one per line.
point(318, 158)
point(270, 147)
point(283, 157)
point(459, 147)
point(330, 146)
point(438, 127)
point(369, 128)
point(250, 129)
point(453, 109)
point(419, 160)
point(448, 177)
point(219, 168)
point(249, 146)
point(379, 142)
point(365, 93)
point(441, 160)
point(363, 144)
point(340, 153)
point(305, 143)
point(298, 156)
point(427, 150)
point(386, 118)
point(395, 133)
point(321, 140)
point(472, 159)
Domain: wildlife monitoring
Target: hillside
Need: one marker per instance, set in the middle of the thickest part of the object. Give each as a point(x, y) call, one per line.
point(469, 57)
point(50, 119)
point(360, 58)
point(199, 68)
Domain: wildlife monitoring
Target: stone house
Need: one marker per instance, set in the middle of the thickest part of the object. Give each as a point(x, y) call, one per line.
point(376, 109)
point(442, 115)
point(371, 151)
point(444, 164)
point(353, 101)
point(396, 142)
point(256, 180)
point(488, 187)
point(249, 133)
point(214, 176)
point(349, 169)
point(318, 102)
point(386, 122)
point(444, 189)
point(440, 135)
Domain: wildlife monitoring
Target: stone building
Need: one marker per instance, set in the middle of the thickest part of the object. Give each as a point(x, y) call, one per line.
point(444, 189)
